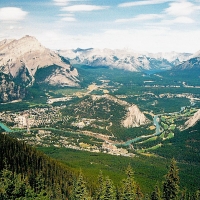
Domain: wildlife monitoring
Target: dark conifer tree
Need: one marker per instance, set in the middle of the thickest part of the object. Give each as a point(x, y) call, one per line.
point(109, 191)
point(171, 184)
point(128, 190)
point(99, 186)
point(156, 194)
point(79, 191)
point(139, 194)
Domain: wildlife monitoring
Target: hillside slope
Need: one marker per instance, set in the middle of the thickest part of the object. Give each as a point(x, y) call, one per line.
point(19, 157)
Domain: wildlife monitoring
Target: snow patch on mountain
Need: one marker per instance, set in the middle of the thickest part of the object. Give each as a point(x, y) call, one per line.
point(125, 58)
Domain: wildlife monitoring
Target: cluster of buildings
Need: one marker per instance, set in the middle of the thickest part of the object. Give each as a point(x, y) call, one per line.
point(34, 117)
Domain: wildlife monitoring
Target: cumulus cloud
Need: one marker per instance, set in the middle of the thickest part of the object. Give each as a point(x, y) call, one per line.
point(181, 8)
point(12, 14)
point(142, 17)
point(142, 3)
point(79, 8)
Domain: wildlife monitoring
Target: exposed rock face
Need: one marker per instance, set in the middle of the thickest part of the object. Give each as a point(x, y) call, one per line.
point(9, 90)
point(193, 63)
point(193, 120)
point(135, 118)
point(26, 56)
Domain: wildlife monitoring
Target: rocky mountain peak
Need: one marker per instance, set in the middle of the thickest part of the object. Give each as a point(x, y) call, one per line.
point(25, 61)
point(27, 56)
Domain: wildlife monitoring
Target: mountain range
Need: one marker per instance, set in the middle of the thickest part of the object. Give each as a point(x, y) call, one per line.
point(25, 62)
point(125, 59)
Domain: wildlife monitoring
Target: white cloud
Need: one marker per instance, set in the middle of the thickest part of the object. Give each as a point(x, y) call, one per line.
point(142, 3)
point(11, 27)
point(66, 15)
point(79, 8)
point(178, 20)
point(181, 8)
point(12, 14)
point(61, 2)
point(151, 40)
point(68, 19)
point(64, 2)
point(142, 17)
point(183, 20)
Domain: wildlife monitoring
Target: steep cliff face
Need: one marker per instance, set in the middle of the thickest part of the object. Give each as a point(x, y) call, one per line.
point(134, 117)
point(9, 90)
point(24, 57)
point(193, 120)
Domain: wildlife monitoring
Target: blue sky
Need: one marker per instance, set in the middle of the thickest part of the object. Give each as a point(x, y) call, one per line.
point(145, 25)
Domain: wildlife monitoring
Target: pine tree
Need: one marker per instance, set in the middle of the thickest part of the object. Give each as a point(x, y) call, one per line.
point(128, 186)
point(184, 194)
point(100, 186)
point(156, 194)
point(196, 196)
point(171, 184)
point(109, 191)
point(14, 186)
point(79, 189)
point(139, 194)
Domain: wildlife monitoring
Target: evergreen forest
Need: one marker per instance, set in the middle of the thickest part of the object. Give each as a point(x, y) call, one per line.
point(27, 173)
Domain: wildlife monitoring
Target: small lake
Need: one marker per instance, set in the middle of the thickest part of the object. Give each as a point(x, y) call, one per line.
point(5, 128)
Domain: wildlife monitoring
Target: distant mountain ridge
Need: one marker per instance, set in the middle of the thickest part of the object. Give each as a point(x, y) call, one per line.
point(125, 59)
point(193, 63)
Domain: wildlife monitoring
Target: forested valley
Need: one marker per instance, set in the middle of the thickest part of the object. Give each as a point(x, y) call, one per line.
point(27, 173)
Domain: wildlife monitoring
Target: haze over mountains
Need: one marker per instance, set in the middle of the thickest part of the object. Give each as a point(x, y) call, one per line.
point(125, 59)
point(25, 61)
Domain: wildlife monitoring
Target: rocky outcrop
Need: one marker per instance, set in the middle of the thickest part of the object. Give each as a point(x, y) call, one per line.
point(24, 57)
point(193, 120)
point(134, 118)
point(9, 90)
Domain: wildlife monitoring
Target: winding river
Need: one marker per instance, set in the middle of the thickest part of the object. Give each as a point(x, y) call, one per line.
point(5, 128)
point(157, 132)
